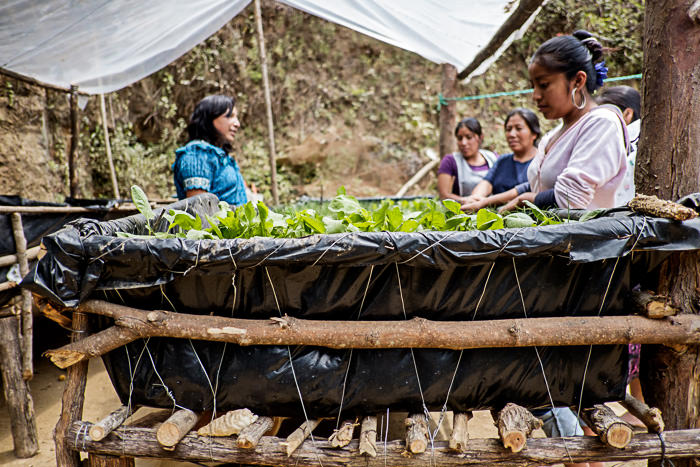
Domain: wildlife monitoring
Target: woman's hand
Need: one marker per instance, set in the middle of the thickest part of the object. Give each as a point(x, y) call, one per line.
point(519, 201)
point(472, 204)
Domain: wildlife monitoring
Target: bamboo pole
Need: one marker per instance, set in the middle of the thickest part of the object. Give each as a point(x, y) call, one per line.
point(74, 140)
point(268, 103)
point(132, 324)
point(27, 324)
point(141, 442)
point(72, 401)
point(19, 400)
point(112, 172)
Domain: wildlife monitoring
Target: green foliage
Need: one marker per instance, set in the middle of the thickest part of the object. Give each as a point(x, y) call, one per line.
point(343, 214)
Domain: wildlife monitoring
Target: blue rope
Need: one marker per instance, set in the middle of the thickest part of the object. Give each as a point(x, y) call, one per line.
point(442, 100)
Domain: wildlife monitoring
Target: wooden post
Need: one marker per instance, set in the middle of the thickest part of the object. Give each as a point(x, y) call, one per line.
point(112, 172)
point(268, 103)
point(612, 430)
point(99, 460)
point(19, 401)
point(105, 426)
point(670, 138)
point(74, 140)
point(448, 113)
point(417, 434)
point(460, 433)
point(368, 436)
point(176, 427)
point(26, 317)
point(72, 401)
point(249, 437)
point(515, 424)
point(299, 435)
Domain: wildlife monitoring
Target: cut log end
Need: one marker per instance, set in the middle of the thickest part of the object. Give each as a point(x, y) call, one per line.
point(514, 440)
point(460, 433)
point(64, 358)
point(619, 435)
point(175, 428)
point(97, 433)
point(416, 433)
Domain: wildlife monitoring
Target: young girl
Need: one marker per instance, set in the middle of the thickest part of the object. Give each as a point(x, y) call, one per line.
point(581, 163)
point(460, 172)
point(203, 164)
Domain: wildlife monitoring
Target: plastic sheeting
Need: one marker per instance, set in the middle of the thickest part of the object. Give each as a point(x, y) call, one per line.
point(577, 269)
point(105, 45)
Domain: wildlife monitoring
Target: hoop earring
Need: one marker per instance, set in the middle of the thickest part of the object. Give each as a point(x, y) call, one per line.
point(573, 99)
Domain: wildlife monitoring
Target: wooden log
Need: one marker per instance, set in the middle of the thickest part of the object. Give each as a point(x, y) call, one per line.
point(460, 432)
point(298, 436)
point(141, 442)
point(100, 460)
point(19, 400)
point(27, 318)
point(611, 429)
point(9, 260)
point(653, 206)
point(230, 423)
point(176, 427)
point(368, 436)
point(343, 435)
point(653, 306)
point(515, 424)
point(249, 437)
point(417, 435)
point(7, 286)
point(417, 177)
point(650, 416)
point(105, 426)
point(131, 324)
point(448, 110)
point(72, 400)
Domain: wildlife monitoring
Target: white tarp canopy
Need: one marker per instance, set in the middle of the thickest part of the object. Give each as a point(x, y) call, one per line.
point(105, 45)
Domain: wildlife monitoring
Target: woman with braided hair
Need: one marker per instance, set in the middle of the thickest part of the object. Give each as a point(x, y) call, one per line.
point(581, 164)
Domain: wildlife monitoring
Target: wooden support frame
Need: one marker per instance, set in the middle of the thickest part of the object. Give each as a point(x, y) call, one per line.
point(132, 324)
point(26, 316)
point(141, 442)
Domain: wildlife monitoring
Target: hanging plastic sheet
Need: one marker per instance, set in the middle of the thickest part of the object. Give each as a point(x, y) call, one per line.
point(574, 269)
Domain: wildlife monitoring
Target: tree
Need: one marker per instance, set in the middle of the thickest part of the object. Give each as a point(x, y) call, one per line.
point(668, 165)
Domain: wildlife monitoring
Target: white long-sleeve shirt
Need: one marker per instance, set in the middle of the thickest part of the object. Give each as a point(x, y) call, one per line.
point(586, 165)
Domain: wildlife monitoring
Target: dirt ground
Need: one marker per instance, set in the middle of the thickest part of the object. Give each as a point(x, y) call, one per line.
point(100, 399)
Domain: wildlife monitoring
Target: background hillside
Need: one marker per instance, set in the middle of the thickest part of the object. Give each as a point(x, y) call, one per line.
point(349, 110)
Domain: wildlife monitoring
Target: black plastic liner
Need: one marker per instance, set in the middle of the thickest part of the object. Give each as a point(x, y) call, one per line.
point(562, 270)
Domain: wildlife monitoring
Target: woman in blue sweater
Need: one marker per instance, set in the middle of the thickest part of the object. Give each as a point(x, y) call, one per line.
point(522, 129)
point(204, 164)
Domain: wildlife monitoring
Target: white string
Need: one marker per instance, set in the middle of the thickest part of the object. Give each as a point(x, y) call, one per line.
point(294, 375)
point(347, 369)
point(430, 246)
point(331, 246)
point(167, 390)
point(539, 360)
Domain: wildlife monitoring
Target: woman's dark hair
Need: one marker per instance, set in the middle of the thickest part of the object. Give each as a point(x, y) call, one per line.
point(624, 97)
point(571, 54)
point(471, 123)
point(201, 124)
point(530, 118)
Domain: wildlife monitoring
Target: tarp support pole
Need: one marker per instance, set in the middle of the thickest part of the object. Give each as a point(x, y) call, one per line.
point(74, 137)
point(112, 172)
point(448, 113)
point(268, 103)
point(521, 14)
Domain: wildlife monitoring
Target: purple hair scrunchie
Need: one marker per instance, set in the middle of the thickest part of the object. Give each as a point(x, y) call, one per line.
point(601, 72)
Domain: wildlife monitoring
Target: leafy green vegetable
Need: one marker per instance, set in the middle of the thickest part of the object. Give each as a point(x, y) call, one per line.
point(343, 214)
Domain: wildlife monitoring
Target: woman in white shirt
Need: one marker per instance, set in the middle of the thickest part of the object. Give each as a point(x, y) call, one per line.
point(581, 164)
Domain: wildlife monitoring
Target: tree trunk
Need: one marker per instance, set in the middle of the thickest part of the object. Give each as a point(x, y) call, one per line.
point(668, 166)
point(448, 113)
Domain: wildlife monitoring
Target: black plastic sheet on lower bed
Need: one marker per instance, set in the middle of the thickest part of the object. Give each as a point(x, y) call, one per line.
point(574, 269)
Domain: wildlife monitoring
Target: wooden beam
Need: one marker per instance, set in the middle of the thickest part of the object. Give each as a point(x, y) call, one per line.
point(368, 437)
point(611, 429)
point(650, 416)
point(268, 103)
point(9, 260)
point(72, 401)
point(132, 324)
point(141, 442)
point(19, 400)
point(27, 318)
point(521, 14)
point(108, 424)
point(459, 438)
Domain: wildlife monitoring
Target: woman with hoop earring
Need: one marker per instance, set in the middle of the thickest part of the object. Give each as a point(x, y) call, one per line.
point(581, 164)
